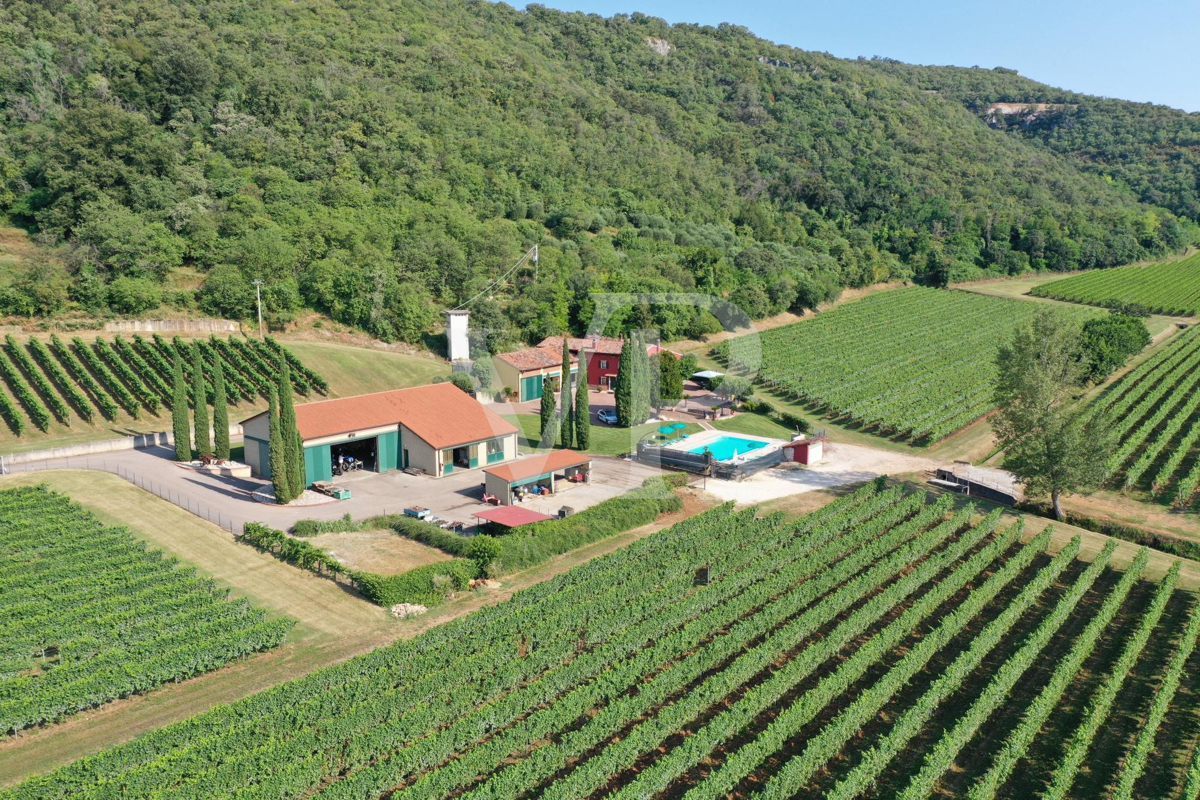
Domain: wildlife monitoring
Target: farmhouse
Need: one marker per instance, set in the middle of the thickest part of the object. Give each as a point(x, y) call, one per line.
point(603, 356)
point(437, 428)
point(525, 370)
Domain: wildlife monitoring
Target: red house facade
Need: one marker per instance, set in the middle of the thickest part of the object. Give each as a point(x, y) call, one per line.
point(603, 356)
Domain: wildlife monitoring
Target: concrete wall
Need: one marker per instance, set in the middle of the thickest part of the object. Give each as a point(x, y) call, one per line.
point(258, 426)
point(134, 442)
point(173, 326)
point(420, 454)
point(506, 375)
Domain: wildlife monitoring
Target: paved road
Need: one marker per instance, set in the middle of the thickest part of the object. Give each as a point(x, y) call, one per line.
point(227, 502)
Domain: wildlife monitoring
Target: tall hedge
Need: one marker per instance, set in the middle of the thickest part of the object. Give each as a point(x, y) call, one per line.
point(533, 544)
point(200, 402)
point(179, 412)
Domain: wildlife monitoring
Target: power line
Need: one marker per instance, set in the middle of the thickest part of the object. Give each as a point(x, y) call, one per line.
point(530, 255)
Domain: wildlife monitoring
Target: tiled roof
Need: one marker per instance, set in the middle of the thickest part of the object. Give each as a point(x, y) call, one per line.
point(440, 413)
point(533, 358)
point(539, 465)
point(596, 344)
point(511, 516)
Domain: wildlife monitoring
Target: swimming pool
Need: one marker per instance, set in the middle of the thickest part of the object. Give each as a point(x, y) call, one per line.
point(725, 448)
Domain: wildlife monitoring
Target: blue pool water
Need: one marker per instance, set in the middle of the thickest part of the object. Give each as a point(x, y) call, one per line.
point(726, 447)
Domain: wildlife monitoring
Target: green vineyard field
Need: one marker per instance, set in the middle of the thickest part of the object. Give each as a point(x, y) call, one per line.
point(917, 364)
point(88, 614)
point(1172, 287)
point(78, 380)
point(1154, 416)
point(883, 644)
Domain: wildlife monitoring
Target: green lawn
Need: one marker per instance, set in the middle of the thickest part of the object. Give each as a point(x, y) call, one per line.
point(359, 370)
point(755, 425)
point(605, 440)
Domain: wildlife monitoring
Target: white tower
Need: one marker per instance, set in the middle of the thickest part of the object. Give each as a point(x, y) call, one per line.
point(456, 335)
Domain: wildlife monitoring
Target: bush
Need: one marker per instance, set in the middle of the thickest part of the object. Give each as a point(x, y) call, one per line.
point(483, 550)
point(315, 527)
point(427, 586)
point(133, 295)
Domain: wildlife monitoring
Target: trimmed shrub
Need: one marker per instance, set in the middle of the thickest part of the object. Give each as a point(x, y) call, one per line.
point(533, 544)
point(315, 527)
point(427, 586)
point(423, 532)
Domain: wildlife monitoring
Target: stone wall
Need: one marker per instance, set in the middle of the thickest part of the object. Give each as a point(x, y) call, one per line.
point(173, 326)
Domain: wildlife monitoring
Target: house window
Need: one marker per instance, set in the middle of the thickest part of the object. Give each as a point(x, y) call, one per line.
point(495, 450)
point(604, 363)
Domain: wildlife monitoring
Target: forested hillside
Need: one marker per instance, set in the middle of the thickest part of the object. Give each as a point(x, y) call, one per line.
point(377, 160)
point(1154, 150)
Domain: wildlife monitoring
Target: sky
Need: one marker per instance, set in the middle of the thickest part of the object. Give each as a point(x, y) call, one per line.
point(1141, 51)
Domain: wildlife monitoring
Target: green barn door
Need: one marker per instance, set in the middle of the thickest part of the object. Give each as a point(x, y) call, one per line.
point(387, 446)
point(318, 464)
point(532, 388)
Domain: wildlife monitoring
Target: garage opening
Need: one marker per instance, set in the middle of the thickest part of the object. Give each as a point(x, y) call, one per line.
point(360, 452)
point(462, 457)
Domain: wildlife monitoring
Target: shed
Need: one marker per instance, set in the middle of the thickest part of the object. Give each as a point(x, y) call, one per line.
point(535, 474)
point(436, 428)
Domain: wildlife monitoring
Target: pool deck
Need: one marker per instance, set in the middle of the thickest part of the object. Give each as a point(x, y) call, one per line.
point(699, 440)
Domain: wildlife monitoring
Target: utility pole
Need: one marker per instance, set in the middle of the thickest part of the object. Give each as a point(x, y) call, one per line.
point(258, 298)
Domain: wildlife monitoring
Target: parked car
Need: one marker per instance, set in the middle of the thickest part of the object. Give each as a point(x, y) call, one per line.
point(607, 415)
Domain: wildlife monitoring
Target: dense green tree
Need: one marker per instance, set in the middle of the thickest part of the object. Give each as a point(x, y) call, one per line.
point(220, 412)
point(277, 452)
point(133, 295)
point(548, 415)
point(623, 387)
point(1107, 342)
point(200, 402)
point(293, 445)
point(180, 428)
point(641, 381)
point(670, 387)
point(163, 138)
point(566, 399)
point(1049, 444)
point(583, 409)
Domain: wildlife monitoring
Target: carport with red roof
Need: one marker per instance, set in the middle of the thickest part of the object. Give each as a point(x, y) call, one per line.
point(535, 476)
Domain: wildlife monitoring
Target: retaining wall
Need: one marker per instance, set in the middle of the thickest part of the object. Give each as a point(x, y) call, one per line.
point(173, 326)
point(134, 442)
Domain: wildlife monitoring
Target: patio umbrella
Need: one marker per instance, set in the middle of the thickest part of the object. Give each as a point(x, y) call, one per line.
point(679, 426)
point(666, 429)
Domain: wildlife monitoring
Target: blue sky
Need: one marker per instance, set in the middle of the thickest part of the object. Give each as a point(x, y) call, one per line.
point(1132, 50)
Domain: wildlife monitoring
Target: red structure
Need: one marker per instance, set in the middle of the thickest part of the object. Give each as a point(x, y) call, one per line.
point(603, 356)
point(805, 451)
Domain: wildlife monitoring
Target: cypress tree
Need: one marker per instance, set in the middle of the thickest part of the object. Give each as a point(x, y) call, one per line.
point(179, 412)
point(583, 414)
point(645, 403)
point(277, 453)
point(200, 402)
point(549, 414)
point(670, 379)
point(623, 390)
point(220, 413)
point(566, 412)
point(293, 446)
